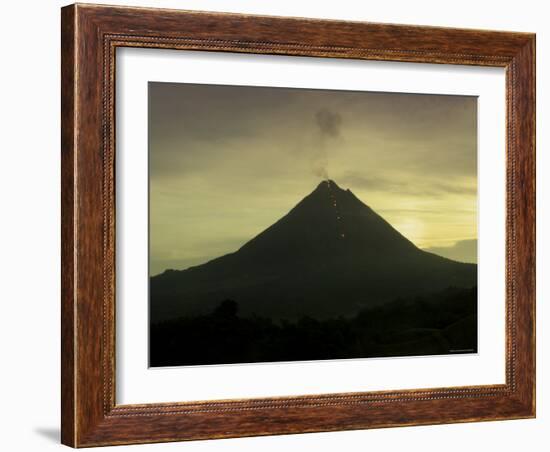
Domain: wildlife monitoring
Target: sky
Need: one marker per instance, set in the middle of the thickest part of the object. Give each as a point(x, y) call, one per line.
point(226, 162)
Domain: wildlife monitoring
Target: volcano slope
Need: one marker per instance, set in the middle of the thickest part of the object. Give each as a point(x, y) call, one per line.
point(330, 256)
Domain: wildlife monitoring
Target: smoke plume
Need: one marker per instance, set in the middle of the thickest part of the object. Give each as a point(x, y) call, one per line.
point(328, 124)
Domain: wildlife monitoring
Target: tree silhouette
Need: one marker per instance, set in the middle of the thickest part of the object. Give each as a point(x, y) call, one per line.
point(440, 323)
point(227, 309)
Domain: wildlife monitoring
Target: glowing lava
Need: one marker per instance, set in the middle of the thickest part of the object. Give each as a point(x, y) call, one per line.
point(336, 210)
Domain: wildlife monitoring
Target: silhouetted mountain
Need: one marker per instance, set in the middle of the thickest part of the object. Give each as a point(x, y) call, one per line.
point(331, 255)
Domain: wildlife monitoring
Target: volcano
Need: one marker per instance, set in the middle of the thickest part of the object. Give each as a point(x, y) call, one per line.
point(330, 256)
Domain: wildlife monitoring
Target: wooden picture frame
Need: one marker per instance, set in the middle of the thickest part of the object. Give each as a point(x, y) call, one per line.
point(90, 36)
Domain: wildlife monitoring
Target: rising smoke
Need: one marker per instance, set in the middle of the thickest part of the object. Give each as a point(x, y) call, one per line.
point(328, 124)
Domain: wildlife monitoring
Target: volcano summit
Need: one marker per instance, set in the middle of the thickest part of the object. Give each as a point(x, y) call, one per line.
point(330, 256)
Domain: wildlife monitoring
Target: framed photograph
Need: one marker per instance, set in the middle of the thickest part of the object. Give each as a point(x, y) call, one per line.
point(281, 225)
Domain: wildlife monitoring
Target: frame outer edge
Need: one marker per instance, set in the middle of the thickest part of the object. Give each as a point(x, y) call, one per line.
point(525, 62)
point(534, 226)
point(68, 242)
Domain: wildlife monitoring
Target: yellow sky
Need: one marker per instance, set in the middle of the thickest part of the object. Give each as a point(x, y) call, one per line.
point(226, 162)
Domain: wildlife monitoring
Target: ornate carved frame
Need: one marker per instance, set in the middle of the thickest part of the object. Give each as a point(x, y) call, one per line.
point(90, 36)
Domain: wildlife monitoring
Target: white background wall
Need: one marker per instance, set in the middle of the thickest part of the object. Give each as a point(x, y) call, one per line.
point(29, 235)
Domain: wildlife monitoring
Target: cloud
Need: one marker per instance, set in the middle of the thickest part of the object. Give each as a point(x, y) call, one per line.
point(461, 251)
point(398, 185)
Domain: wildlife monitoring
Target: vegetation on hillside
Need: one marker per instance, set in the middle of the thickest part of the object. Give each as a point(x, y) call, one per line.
point(440, 323)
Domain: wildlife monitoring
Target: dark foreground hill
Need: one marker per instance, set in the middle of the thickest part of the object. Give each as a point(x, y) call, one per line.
point(330, 256)
point(441, 323)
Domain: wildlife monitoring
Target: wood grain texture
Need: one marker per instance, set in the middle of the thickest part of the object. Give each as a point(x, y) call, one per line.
point(67, 224)
point(90, 36)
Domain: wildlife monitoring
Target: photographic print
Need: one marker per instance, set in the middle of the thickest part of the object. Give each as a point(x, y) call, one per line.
point(291, 224)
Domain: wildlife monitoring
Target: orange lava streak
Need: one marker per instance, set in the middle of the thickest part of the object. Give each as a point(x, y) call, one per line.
point(336, 210)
